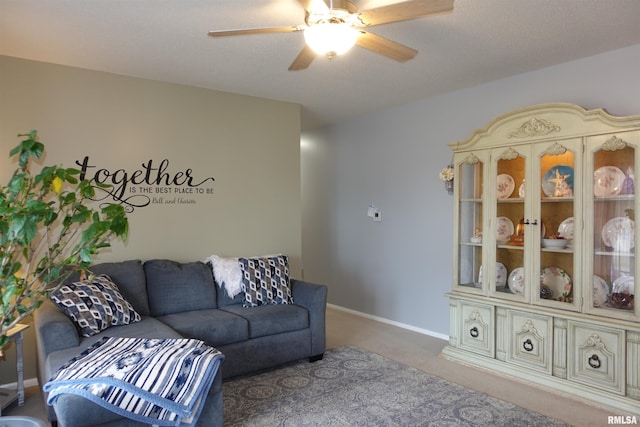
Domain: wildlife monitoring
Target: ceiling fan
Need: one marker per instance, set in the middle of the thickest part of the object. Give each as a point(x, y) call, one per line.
point(332, 27)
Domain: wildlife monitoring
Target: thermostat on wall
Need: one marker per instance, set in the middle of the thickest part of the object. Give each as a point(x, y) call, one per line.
point(374, 213)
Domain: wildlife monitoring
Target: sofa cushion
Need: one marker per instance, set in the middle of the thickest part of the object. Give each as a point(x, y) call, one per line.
point(175, 287)
point(271, 319)
point(224, 299)
point(212, 326)
point(130, 278)
point(94, 305)
point(147, 327)
point(265, 280)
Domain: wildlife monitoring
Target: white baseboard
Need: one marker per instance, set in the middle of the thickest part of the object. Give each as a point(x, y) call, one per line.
point(14, 386)
point(392, 322)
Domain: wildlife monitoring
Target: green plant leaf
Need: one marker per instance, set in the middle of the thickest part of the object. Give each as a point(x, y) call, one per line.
point(86, 190)
point(85, 254)
point(81, 216)
point(8, 292)
point(17, 183)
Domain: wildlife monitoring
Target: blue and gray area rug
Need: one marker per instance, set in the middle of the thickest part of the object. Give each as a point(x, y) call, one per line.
point(351, 387)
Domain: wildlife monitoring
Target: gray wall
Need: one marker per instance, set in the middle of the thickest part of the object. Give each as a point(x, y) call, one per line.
point(400, 269)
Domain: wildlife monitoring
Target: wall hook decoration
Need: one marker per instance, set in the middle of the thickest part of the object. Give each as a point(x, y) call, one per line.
point(446, 176)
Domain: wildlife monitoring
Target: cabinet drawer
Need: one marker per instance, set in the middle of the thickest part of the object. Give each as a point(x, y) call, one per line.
point(530, 340)
point(597, 356)
point(477, 328)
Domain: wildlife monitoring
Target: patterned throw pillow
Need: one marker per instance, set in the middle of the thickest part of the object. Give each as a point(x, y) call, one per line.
point(94, 305)
point(265, 281)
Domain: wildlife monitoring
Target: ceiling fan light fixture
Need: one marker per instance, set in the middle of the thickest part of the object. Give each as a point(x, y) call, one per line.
point(330, 38)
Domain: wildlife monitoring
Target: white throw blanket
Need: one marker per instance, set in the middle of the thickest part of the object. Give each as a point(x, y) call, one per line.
point(155, 381)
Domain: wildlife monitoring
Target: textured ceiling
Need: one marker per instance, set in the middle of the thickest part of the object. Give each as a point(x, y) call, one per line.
point(166, 40)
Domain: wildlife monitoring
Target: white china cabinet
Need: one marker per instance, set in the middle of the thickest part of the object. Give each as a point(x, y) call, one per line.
point(544, 252)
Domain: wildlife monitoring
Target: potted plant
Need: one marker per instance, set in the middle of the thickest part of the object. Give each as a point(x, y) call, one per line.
point(47, 231)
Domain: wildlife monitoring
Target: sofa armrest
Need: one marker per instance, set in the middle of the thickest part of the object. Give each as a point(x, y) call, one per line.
point(54, 330)
point(313, 297)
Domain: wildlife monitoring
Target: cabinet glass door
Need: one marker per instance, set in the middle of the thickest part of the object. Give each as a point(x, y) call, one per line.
point(509, 264)
point(611, 224)
point(469, 175)
point(557, 200)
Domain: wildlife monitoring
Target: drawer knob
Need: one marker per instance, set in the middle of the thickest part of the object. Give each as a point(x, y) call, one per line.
point(527, 345)
point(474, 332)
point(594, 361)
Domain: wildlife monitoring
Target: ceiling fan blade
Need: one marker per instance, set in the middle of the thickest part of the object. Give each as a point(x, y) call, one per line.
point(385, 47)
point(303, 60)
point(317, 6)
point(404, 11)
point(225, 33)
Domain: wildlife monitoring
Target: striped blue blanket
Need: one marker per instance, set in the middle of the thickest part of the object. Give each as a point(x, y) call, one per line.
point(155, 381)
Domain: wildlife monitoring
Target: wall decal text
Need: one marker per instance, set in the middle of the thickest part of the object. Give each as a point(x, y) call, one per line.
point(154, 183)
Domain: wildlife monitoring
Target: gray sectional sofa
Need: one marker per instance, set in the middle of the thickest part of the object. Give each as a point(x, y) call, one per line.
point(182, 300)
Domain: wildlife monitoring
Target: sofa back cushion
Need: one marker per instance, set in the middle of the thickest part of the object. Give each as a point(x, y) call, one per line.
point(224, 299)
point(130, 279)
point(175, 287)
